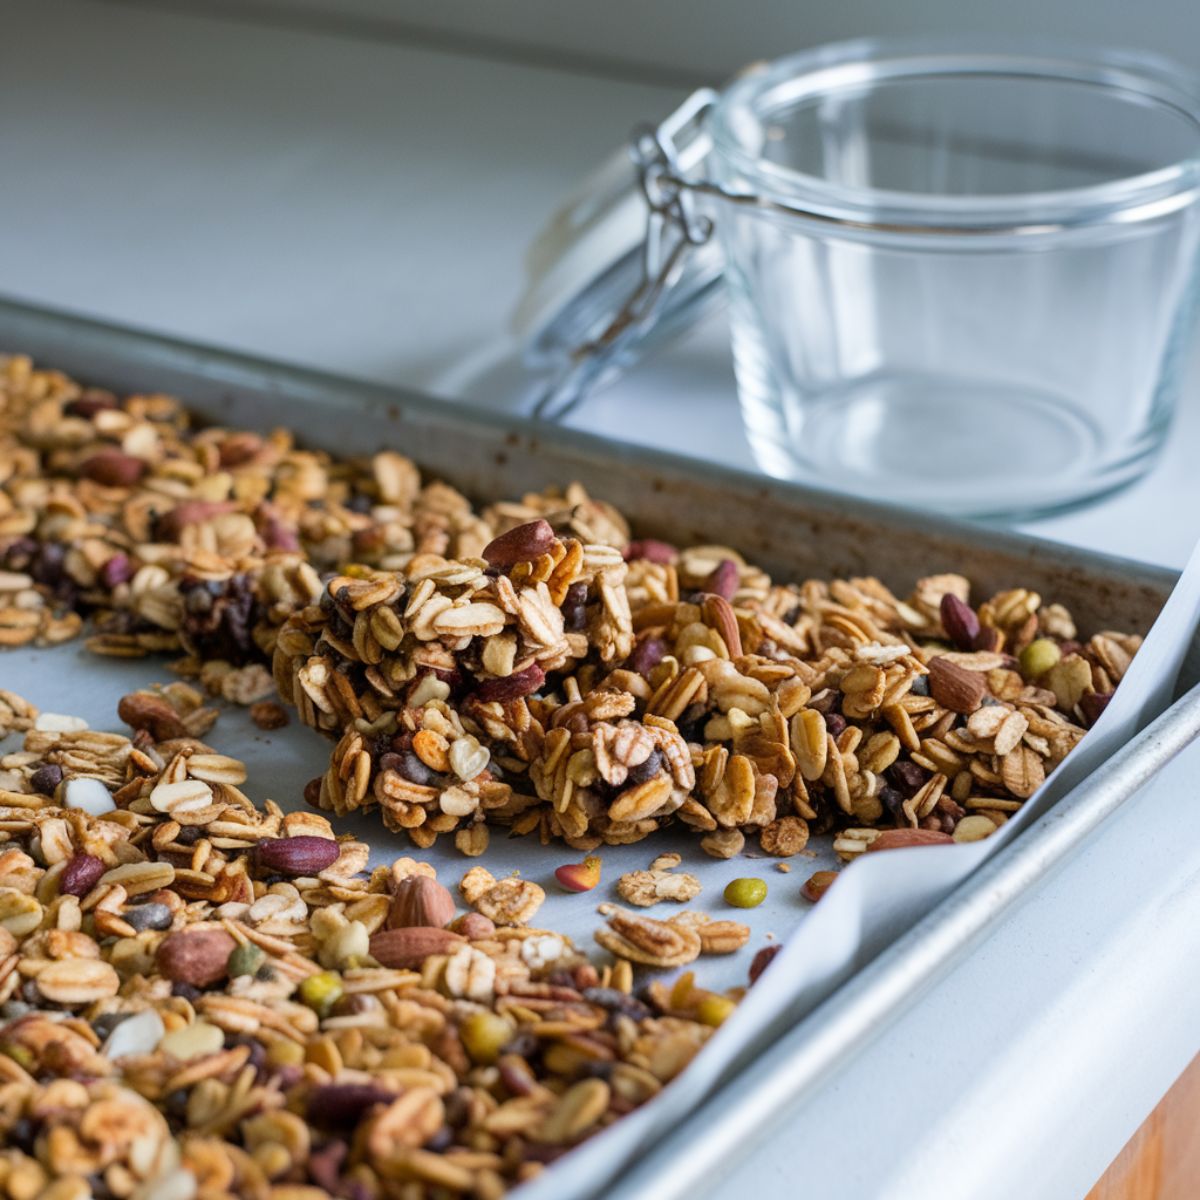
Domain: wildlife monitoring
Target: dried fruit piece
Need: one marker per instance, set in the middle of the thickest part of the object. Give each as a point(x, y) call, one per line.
point(817, 884)
point(1038, 657)
point(245, 960)
point(268, 714)
point(579, 877)
point(344, 1105)
point(651, 550)
point(80, 875)
point(765, 957)
point(512, 687)
point(321, 991)
point(715, 1010)
point(485, 1034)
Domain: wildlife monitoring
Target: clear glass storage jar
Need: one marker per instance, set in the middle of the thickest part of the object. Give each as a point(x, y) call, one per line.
point(960, 271)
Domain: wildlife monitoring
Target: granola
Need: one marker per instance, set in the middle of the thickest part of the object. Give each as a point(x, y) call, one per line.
point(200, 997)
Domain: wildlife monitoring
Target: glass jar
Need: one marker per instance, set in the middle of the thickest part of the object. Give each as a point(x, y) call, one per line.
point(961, 272)
point(972, 280)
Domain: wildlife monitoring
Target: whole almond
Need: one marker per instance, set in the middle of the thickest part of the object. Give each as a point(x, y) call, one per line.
point(955, 687)
point(959, 621)
point(408, 948)
point(898, 839)
point(420, 901)
point(723, 579)
point(525, 542)
point(475, 926)
point(304, 855)
point(112, 468)
point(199, 957)
point(719, 615)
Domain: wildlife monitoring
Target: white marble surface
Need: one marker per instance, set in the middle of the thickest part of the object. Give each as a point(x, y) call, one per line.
point(365, 208)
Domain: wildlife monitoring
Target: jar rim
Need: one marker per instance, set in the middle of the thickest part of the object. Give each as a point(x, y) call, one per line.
point(1135, 75)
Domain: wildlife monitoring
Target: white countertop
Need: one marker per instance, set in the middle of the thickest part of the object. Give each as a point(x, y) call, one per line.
point(364, 208)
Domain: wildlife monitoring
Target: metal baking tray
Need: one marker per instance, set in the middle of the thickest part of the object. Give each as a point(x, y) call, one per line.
point(790, 530)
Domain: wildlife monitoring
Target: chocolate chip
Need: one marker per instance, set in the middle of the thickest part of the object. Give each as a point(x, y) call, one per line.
point(46, 778)
point(574, 607)
point(647, 654)
point(646, 770)
point(343, 1105)
point(906, 777)
point(148, 916)
point(835, 723)
point(615, 1000)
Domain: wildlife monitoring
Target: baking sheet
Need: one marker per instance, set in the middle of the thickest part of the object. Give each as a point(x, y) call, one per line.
point(777, 525)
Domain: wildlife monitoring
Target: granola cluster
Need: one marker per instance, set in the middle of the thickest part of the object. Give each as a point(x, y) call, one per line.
point(529, 665)
point(204, 998)
point(567, 690)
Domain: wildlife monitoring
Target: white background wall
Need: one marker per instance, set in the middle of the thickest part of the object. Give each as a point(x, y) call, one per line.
point(681, 39)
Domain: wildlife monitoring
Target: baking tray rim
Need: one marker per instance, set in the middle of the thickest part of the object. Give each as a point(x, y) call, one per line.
point(406, 405)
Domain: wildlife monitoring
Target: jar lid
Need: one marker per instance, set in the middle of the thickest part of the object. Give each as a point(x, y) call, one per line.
point(589, 260)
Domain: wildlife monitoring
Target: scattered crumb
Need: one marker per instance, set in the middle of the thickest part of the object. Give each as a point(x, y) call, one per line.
point(268, 714)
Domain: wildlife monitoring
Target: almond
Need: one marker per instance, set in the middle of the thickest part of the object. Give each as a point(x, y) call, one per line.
point(304, 855)
point(199, 957)
point(898, 839)
point(955, 687)
point(522, 544)
point(475, 926)
point(420, 901)
point(112, 468)
point(723, 579)
point(719, 615)
point(409, 948)
point(960, 621)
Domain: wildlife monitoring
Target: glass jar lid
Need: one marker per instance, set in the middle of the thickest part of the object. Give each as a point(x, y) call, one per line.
point(603, 286)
